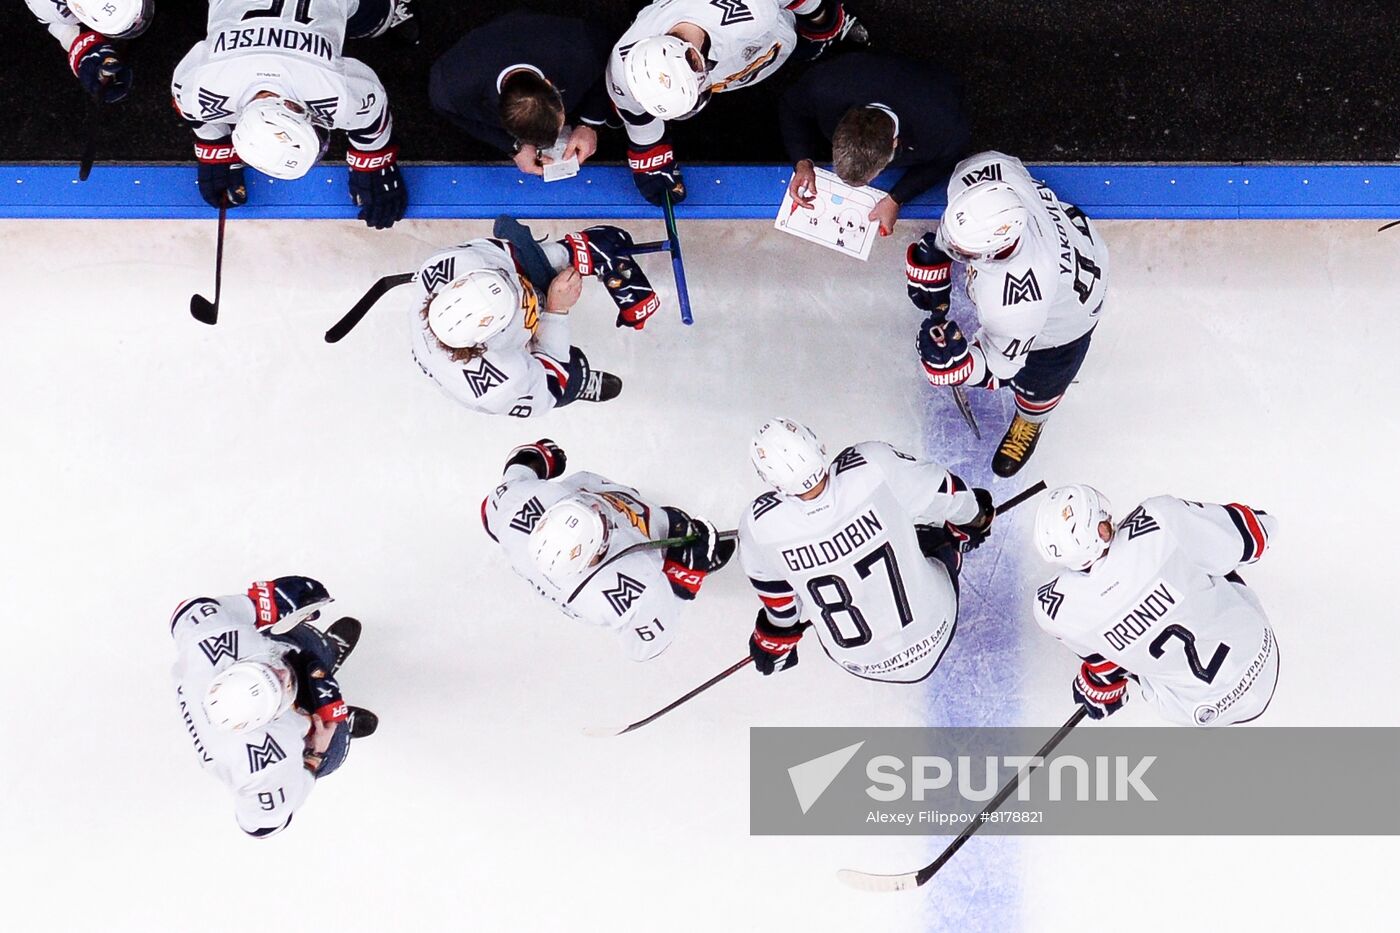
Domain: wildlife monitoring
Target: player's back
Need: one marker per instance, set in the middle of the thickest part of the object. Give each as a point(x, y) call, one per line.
point(851, 558)
point(1193, 638)
point(748, 39)
point(312, 31)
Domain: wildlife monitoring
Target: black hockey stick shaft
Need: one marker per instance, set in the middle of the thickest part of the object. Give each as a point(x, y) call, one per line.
point(367, 301)
point(203, 310)
point(1022, 496)
point(677, 264)
point(929, 870)
point(658, 545)
point(94, 129)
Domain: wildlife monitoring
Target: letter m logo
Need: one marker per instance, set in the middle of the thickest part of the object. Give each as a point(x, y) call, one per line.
point(732, 11)
point(1020, 288)
point(261, 756)
point(222, 645)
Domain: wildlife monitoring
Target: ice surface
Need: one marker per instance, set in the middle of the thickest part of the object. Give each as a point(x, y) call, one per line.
point(149, 458)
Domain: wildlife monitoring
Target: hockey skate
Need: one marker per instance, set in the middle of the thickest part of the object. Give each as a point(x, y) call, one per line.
point(362, 723)
point(1017, 445)
point(599, 386)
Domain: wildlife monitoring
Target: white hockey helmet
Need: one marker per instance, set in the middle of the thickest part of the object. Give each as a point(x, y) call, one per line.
point(249, 694)
point(1067, 526)
point(472, 308)
point(659, 75)
point(276, 136)
point(982, 220)
point(116, 19)
point(570, 535)
point(788, 456)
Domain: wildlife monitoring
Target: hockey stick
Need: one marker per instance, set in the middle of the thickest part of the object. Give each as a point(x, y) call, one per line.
point(356, 314)
point(960, 397)
point(1393, 223)
point(205, 311)
point(93, 127)
point(677, 265)
point(1022, 496)
point(659, 545)
point(866, 881)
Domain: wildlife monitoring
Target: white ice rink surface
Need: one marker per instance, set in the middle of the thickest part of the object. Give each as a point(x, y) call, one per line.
point(148, 459)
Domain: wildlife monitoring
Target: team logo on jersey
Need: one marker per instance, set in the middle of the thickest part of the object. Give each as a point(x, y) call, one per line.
point(264, 755)
point(1020, 288)
point(847, 459)
point(222, 645)
point(483, 377)
point(439, 274)
point(1205, 715)
point(528, 517)
point(213, 106)
point(622, 596)
point(1138, 523)
point(1050, 599)
point(765, 504)
point(985, 173)
point(323, 110)
point(732, 11)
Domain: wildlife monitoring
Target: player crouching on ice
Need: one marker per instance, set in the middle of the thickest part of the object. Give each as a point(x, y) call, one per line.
point(86, 29)
point(483, 337)
point(269, 82)
point(591, 546)
point(264, 710)
point(866, 548)
point(1035, 273)
point(1156, 599)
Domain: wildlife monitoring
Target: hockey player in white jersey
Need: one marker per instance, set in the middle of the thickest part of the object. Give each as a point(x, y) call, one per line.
point(268, 84)
point(865, 548)
point(86, 30)
point(1155, 599)
point(485, 336)
point(1036, 270)
point(677, 53)
point(265, 711)
point(569, 539)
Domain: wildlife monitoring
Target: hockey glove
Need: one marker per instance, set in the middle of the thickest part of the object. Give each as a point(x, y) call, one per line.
point(971, 535)
point(929, 275)
point(377, 186)
point(830, 24)
point(602, 251)
point(944, 351)
point(220, 172)
point(99, 68)
point(655, 172)
point(687, 565)
point(1100, 687)
point(773, 648)
point(544, 456)
point(279, 598)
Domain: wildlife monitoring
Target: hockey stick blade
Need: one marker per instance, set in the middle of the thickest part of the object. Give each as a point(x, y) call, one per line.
point(367, 301)
point(964, 406)
point(864, 881)
point(202, 309)
point(602, 732)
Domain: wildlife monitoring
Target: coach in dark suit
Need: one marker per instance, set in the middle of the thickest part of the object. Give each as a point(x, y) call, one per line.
point(872, 112)
point(516, 81)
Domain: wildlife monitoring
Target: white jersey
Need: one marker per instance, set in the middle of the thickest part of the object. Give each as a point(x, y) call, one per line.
point(293, 49)
point(748, 41)
point(849, 561)
point(525, 367)
point(263, 767)
point(1159, 606)
point(1051, 292)
point(630, 596)
point(62, 22)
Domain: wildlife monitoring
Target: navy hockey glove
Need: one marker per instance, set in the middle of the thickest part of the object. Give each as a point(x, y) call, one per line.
point(220, 172)
point(943, 349)
point(544, 456)
point(772, 648)
point(655, 172)
point(602, 251)
point(279, 598)
point(971, 535)
point(1101, 687)
point(377, 186)
point(929, 275)
point(687, 565)
point(99, 68)
point(817, 32)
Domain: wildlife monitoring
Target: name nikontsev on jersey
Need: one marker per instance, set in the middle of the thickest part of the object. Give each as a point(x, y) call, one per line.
point(271, 37)
point(804, 557)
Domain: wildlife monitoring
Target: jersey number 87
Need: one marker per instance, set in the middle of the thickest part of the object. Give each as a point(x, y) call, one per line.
point(830, 584)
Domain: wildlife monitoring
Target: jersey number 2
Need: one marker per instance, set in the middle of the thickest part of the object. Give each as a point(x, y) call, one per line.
point(303, 11)
point(820, 588)
point(1188, 644)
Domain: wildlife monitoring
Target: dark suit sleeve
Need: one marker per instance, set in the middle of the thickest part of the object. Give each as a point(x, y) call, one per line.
point(797, 120)
point(455, 93)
